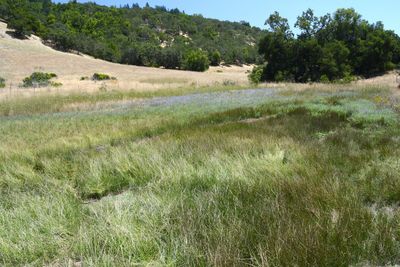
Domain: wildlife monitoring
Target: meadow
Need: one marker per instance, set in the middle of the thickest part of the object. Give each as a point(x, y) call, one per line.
point(201, 177)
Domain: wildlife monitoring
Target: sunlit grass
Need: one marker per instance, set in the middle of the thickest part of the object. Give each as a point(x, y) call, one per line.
point(54, 102)
point(294, 179)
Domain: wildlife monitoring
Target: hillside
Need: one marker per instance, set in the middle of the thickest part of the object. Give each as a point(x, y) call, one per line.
point(22, 57)
point(132, 35)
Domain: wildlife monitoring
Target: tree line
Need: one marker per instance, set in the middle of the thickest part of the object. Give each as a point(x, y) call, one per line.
point(130, 34)
point(341, 46)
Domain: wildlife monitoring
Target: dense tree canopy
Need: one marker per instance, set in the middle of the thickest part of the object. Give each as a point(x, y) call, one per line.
point(331, 47)
point(150, 36)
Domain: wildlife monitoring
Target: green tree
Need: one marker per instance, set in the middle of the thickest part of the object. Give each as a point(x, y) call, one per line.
point(277, 50)
point(335, 64)
point(331, 47)
point(171, 58)
point(307, 60)
point(278, 24)
point(308, 24)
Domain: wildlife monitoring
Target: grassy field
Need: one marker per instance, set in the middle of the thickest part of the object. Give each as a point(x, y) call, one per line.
point(220, 178)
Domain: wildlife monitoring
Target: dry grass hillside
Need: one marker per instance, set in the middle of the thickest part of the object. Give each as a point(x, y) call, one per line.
point(19, 58)
point(22, 57)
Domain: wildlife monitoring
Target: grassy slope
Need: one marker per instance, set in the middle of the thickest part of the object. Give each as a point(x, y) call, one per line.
point(308, 178)
point(23, 57)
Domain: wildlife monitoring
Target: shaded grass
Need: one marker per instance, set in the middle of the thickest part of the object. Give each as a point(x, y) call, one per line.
point(301, 181)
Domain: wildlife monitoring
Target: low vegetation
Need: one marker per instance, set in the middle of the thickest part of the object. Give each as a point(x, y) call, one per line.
point(236, 179)
point(2, 82)
point(40, 79)
point(102, 77)
point(196, 61)
point(256, 75)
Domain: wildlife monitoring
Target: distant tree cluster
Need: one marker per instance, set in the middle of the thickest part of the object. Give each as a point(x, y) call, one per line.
point(329, 48)
point(148, 36)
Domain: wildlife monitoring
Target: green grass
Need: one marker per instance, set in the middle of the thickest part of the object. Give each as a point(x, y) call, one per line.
point(51, 103)
point(302, 179)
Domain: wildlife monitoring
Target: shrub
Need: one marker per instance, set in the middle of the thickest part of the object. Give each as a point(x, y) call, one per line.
point(280, 76)
point(229, 83)
point(324, 79)
point(215, 58)
point(196, 60)
point(56, 84)
point(348, 78)
point(39, 79)
point(2, 82)
point(102, 77)
point(256, 74)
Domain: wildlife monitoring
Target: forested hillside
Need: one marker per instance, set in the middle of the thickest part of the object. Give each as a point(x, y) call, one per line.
point(339, 46)
point(147, 36)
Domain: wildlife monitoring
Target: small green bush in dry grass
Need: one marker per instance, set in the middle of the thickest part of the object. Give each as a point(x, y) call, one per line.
point(2, 82)
point(196, 60)
point(40, 79)
point(255, 76)
point(102, 77)
point(228, 83)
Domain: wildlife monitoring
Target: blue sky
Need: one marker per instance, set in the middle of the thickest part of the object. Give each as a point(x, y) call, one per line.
point(256, 11)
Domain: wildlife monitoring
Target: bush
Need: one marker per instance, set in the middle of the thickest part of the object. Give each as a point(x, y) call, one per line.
point(215, 58)
point(280, 76)
point(102, 77)
point(2, 82)
point(348, 78)
point(56, 84)
point(229, 83)
point(324, 79)
point(39, 79)
point(256, 74)
point(196, 60)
